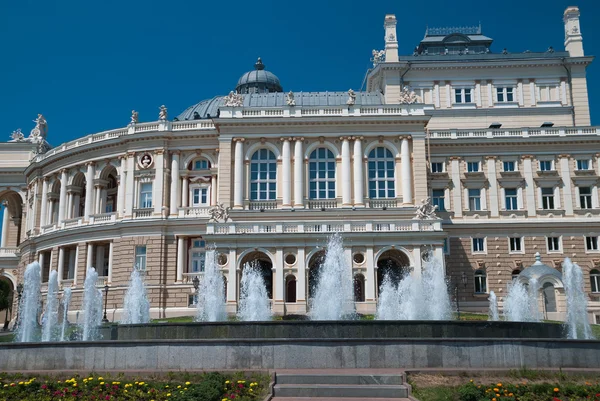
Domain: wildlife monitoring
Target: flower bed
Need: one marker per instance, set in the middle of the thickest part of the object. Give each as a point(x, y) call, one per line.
point(529, 392)
point(205, 387)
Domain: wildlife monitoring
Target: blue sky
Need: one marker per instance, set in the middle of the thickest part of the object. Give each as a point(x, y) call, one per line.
point(85, 65)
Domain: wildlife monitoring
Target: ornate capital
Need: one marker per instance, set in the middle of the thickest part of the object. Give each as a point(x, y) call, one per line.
point(130, 154)
point(283, 139)
point(455, 158)
point(491, 157)
point(564, 155)
point(358, 138)
point(344, 138)
point(90, 163)
point(159, 152)
point(176, 152)
point(299, 138)
point(408, 137)
point(239, 139)
point(527, 157)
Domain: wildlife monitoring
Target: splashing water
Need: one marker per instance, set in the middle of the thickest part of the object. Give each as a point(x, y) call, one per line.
point(136, 307)
point(210, 301)
point(521, 301)
point(414, 298)
point(493, 308)
point(533, 290)
point(92, 306)
point(577, 317)
point(27, 324)
point(254, 300)
point(66, 300)
point(334, 277)
point(50, 317)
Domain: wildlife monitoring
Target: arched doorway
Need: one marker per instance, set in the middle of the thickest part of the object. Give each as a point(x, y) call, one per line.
point(10, 212)
point(290, 289)
point(393, 264)
point(107, 201)
point(314, 265)
point(6, 301)
point(359, 288)
point(264, 264)
point(549, 297)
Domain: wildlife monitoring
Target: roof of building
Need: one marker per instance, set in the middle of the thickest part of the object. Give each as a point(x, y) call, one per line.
point(258, 79)
point(211, 106)
point(539, 270)
point(485, 56)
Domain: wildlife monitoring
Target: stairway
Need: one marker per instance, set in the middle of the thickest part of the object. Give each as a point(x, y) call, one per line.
point(331, 385)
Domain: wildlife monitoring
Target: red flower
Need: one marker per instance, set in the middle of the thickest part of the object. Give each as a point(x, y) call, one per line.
point(108, 397)
point(44, 386)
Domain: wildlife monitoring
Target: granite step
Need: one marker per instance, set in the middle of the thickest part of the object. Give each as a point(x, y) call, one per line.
point(309, 378)
point(341, 390)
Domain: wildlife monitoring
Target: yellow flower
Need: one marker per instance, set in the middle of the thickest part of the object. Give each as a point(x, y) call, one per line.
point(499, 384)
point(496, 390)
point(74, 384)
point(178, 386)
point(493, 399)
point(125, 391)
point(100, 378)
point(497, 395)
point(556, 390)
point(250, 390)
point(168, 394)
point(21, 383)
point(227, 382)
point(510, 394)
point(6, 385)
point(187, 383)
point(102, 383)
point(185, 388)
point(90, 378)
point(167, 386)
point(471, 381)
point(224, 399)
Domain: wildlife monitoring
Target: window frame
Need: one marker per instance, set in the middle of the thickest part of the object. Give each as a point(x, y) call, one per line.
point(512, 248)
point(200, 187)
point(514, 166)
point(502, 93)
point(593, 241)
point(481, 243)
point(540, 161)
point(435, 200)
point(145, 200)
point(388, 180)
point(476, 163)
point(480, 281)
point(463, 93)
point(140, 260)
point(548, 201)
point(443, 167)
point(586, 199)
point(554, 240)
point(474, 206)
point(595, 281)
point(579, 162)
point(263, 187)
point(315, 159)
point(512, 200)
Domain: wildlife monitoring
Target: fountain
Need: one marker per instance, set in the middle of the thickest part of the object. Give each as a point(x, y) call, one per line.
point(210, 299)
point(27, 324)
point(493, 308)
point(136, 307)
point(254, 301)
point(533, 290)
point(92, 306)
point(521, 301)
point(414, 298)
point(577, 316)
point(66, 300)
point(50, 316)
point(334, 277)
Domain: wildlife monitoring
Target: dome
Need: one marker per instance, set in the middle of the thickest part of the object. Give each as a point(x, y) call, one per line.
point(539, 270)
point(258, 80)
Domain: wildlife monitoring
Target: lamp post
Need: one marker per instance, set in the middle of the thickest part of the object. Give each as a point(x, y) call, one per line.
point(106, 287)
point(196, 282)
point(19, 294)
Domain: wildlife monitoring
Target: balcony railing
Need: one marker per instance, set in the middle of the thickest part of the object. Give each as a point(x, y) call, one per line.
point(322, 204)
point(325, 227)
point(195, 211)
point(382, 203)
point(103, 218)
point(262, 205)
point(142, 213)
point(514, 133)
point(9, 252)
point(68, 223)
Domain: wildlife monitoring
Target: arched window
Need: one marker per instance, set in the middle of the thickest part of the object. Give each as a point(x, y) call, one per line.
point(595, 280)
point(321, 168)
point(381, 174)
point(480, 282)
point(549, 297)
point(200, 164)
point(290, 289)
point(515, 274)
point(263, 175)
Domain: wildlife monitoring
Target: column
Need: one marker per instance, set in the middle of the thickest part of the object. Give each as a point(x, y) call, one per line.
point(174, 183)
point(44, 206)
point(520, 94)
point(301, 279)
point(436, 94)
point(279, 276)
point(90, 252)
point(418, 269)
point(89, 190)
point(110, 261)
point(185, 192)
point(298, 176)
point(158, 186)
point(98, 198)
point(407, 195)
point(61, 264)
point(491, 166)
point(346, 183)
point(129, 185)
point(358, 172)
point(180, 259)
point(75, 269)
point(120, 207)
point(33, 216)
point(565, 174)
point(41, 259)
point(69, 214)
point(5, 220)
point(63, 196)
point(530, 186)
point(371, 278)
point(286, 170)
point(238, 174)
point(213, 190)
point(457, 191)
point(232, 277)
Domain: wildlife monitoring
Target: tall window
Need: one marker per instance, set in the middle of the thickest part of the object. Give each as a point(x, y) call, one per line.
point(480, 282)
point(263, 175)
point(381, 174)
point(197, 256)
point(437, 198)
point(509, 166)
point(553, 244)
point(515, 244)
point(321, 169)
point(437, 167)
point(583, 164)
point(146, 195)
point(462, 95)
point(140, 257)
point(548, 198)
point(472, 167)
point(591, 243)
point(510, 199)
point(478, 245)
point(546, 165)
point(595, 280)
point(200, 196)
point(474, 199)
point(504, 94)
point(585, 197)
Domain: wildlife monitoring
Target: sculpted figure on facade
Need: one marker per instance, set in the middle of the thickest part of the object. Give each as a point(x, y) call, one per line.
point(426, 211)
point(408, 96)
point(234, 100)
point(162, 114)
point(40, 130)
point(290, 100)
point(134, 117)
point(351, 98)
point(17, 136)
point(219, 213)
point(378, 57)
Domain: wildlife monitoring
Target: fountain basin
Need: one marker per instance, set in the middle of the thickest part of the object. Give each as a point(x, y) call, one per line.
point(333, 329)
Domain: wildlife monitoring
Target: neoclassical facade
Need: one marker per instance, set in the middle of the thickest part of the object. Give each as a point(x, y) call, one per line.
point(501, 142)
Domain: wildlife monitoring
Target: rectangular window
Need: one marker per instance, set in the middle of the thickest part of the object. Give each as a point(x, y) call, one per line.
point(462, 95)
point(509, 166)
point(437, 199)
point(510, 199)
point(480, 282)
point(585, 197)
point(548, 198)
point(583, 164)
point(446, 246)
point(140, 257)
point(200, 196)
point(591, 243)
point(516, 244)
point(504, 94)
point(437, 167)
point(553, 244)
point(474, 199)
point(200, 165)
point(478, 245)
point(546, 165)
point(472, 167)
point(145, 195)
point(197, 261)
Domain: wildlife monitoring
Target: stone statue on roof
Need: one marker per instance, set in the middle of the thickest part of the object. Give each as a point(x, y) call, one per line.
point(134, 117)
point(290, 100)
point(41, 128)
point(426, 211)
point(17, 136)
point(378, 56)
point(162, 114)
point(234, 100)
point(351, 98)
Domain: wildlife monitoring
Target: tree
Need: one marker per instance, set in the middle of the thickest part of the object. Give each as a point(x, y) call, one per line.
point(5, 299)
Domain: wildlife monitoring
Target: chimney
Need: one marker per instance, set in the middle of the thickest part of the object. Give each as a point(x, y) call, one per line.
point(573, 38)
point(391, 39)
